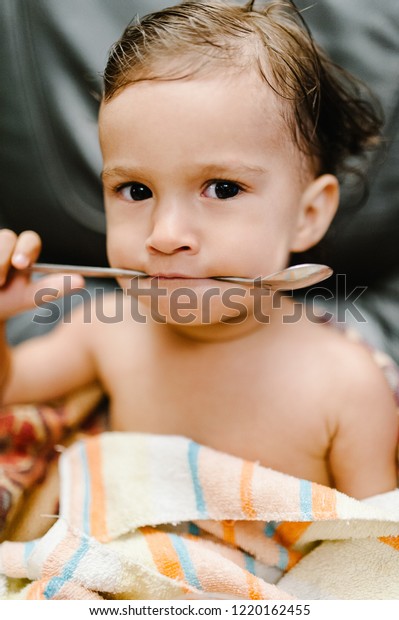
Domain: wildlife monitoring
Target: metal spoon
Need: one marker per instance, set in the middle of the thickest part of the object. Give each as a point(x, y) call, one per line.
point(87, 272)
point(289, 279)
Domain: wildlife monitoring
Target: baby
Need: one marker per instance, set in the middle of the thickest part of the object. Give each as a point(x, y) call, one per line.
point(222, 129)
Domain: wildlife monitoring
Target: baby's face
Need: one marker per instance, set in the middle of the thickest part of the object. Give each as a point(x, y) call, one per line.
point(201, 179)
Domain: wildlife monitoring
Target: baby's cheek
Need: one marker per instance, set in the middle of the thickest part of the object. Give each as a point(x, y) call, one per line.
point(112, 249)
point(120, 248)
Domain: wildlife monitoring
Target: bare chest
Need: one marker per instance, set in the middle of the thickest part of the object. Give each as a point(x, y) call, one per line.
point(236, 404)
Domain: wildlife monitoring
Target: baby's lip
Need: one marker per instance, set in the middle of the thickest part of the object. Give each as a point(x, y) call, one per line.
point(171, 276)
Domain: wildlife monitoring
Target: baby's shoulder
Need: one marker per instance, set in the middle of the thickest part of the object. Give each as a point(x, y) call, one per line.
point(349, 371)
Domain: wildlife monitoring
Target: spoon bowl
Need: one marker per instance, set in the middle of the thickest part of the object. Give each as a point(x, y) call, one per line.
point(289, 279)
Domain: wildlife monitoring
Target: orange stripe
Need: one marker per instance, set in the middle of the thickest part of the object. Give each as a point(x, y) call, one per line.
point(163, 553)
point(246, 489)
point(228, 532)
point(75, 491)
point(254, 591)
point(36, 590)
point(293, 558)
point(288, 533)
point(392, 541)
point(324, 504)
point(98, 525)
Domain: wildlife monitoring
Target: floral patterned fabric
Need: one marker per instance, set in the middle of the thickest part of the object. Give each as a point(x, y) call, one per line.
point(29, 439)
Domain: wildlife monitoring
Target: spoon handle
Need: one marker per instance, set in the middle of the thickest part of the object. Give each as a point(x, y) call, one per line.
point(88, 272)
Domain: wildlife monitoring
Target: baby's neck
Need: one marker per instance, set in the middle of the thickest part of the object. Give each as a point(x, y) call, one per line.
point(219, 332)
point(229, 331)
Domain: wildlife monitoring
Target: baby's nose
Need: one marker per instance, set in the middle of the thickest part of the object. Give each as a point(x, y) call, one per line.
point(172, 232)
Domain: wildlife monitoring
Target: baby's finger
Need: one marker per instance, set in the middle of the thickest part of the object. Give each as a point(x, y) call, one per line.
point(26, 250)
point(23, 295)
point(52, 287)
point(8, 240)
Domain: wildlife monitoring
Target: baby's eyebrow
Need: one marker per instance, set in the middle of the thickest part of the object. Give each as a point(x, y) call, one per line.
point(231, 168)
point(209, 169)
point(121, 171)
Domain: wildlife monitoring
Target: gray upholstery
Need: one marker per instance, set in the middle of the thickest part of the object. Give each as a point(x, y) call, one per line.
point(363, 36)
point(52, 53)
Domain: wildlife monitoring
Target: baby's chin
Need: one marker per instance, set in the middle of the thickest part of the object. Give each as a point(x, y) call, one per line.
point(194, 303)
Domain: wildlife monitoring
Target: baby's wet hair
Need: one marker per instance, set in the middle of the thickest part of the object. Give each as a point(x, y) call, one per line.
point(331, 115)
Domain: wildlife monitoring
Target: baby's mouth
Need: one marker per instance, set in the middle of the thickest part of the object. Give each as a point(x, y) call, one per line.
point(185, 276)
point(171, 276)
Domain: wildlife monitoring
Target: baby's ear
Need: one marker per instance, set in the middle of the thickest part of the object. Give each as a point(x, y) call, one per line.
point(317, 208)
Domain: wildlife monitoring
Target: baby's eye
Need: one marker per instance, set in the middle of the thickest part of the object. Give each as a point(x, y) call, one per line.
point(135, 191)
point(222, 190)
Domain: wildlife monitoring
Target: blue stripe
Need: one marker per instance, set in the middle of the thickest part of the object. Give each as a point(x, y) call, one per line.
point(250, 564)
point(283, 558)
point(193, 529)
point(185, 561)
point(270, 528)
point(29, 546)
point(193, 451)
point(305, 499)
point(86, 489)
point(55, 584)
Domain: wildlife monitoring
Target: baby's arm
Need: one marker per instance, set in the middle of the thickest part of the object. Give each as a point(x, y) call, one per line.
point(47, 367)
point(364, 447)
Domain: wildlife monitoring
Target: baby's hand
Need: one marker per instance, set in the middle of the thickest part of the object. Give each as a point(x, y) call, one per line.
point(17, 291)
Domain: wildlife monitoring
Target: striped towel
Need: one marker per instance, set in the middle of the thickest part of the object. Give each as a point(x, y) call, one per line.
point(160, 517)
